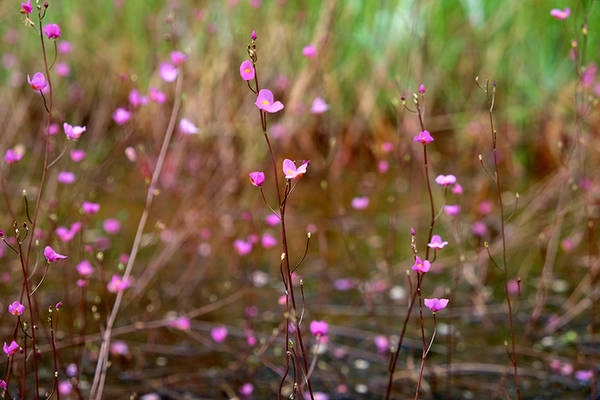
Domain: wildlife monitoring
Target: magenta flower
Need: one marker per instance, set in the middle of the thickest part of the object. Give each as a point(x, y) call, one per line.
point(118, 284)
point(360, 203)
point(64, 47)
point(52, 31)
point(382, 343)
point(38, 81)
point(66, 177)
point(267, 241)
point(77, 155)
point(63, 69)
point(178, 58)
point(73, 132)
point(66, 234)
point(291, 172)
point(119, 348)
point(12, 348)
point(51, 255)
point(84, 268)
point(452, 209)
point(187, 127)
point(90, 208)
point(2, 381)
point(457, 189)
point(319, 106)
point(219, 334)
point(253, 35)
point(584, 375)
point(247, 70)
point(421, 88)
point(242, 247)
point(112, 226)
point(421, 266)
point(479, 228)
point(435, 304)
point(247, 389)
point(26, 8)
point(156, 95)
point(319, 328)
point(12, 156)
point(272, 219)
point(16, 308)
point(436, 242)
point(560, 14)
point(257, 178)
point(121, 116)
point(168, 72)
point(136, 99)
point(181, 323)
point(445, 180)
point(423, 137)
point(309, 51)
point(264, 101)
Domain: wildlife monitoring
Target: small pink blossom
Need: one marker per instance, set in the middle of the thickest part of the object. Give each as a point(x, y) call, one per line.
point(445, 180)
point(62, 69)
point(423, 137)
point(178, 58)
point(452, 209)
point(121, 116)
point(272, 219)
point(64, 47)
point(52, 31)
point(436, 242)
point(187, 127)
point(319, 106)
point(319, 328)
point(421, 88)
point(242, 247)
point(85, 268)
point(360, 203)
point(77, 155)
point(38, 81)
point(560, 14)
point(168, 72)
point(584, 375)
point(247, 70)
point(26, 8)
point(267, 241)
point(291, 172)
point(112, 226)
point(73, 132)
point(309, 51)
point(421, 266)
point(382, 343)
point(136, 99)
point(12, 156)
point(383, 166)
point(53, 129)
point(119, 348)
point(156, 95)
point(66, 177)
point(10, 349)
point(436, 304)
point(479, 228)
point(51, 255)
point(65, 387)
point(16, 308)
point(457, 189)
point(118, 284)
point(67, 234)
point(257, 178)
point(181, 323)
point(264, 101)
point(219, 334)
point(90, 208)
point(247, 389)
point(2, 381)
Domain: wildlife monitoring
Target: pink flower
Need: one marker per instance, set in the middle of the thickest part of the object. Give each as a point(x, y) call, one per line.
point(423, 137)
point(445, 180)
point(319, 328)
point(264, 101)
point(319, 106)
point(218, 333)
point(382, 343)
point(2, 381)
point(181, 323)
point(309, 51)
point(26, 8)
point(51, 255)
point(119, 348)
point(291, 172)
point(584, 375)
point(247, 389)
point(84, 268)
point(560, 14)
point(272, 219)
point(436, 304)
point(38, 82)
point(11, 348)
point(52, 31)
point(77, 155)
point(360, 203)
point(118, 284)
point(421, 88)
point(267, 241)
point(64, 47)
point(421, 266)
point(436, 242)
point(452, 209)
point(479, 228)
point(73, 132)
point(121, 116)
point(457, 189)
point(187, 127)
point(247, 70)
point(168, 72)
point(16, 308)
point(66, 235)
point(156, 95)
point(66, 177)
point(63, 69)
point(178, 58)
point(136, 99)
point(112, 226)
point(12, 156)
point(90, 208)
point(242, 247)
point(257, 178)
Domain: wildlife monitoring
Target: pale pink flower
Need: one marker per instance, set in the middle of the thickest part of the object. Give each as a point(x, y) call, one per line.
point(219, 334)
point(291, 172)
